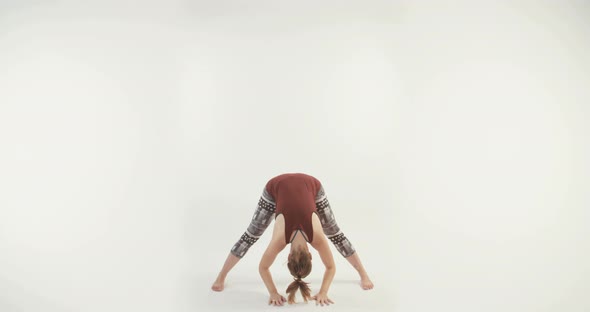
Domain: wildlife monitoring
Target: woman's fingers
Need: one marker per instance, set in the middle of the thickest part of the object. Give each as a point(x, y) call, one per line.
point(277, 301)
point(327, 301)
point(322, 300)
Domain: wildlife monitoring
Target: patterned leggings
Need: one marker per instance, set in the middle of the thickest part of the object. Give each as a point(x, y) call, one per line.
point(265, 212)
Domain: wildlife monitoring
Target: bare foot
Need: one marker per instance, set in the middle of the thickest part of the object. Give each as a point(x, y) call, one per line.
point(366, 283)
point(218, 284)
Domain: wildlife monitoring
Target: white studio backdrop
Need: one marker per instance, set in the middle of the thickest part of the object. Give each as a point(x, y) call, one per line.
point(451, 138)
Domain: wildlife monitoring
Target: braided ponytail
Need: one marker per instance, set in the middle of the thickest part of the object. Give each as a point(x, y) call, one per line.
point(300, 267)
point(302, 286)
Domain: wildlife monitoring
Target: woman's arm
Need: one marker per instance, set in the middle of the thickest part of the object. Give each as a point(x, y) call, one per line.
point(320, 243)
point(269, 256)
point(323, 248)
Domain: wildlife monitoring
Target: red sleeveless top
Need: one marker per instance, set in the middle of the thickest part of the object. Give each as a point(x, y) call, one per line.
point(294, 195)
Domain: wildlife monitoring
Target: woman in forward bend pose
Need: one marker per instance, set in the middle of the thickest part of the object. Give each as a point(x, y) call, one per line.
point(302, 216)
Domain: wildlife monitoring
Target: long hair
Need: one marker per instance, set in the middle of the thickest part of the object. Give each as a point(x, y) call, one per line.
point(300, 266)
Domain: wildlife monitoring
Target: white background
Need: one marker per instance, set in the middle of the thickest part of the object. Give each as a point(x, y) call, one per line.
point(451, 137)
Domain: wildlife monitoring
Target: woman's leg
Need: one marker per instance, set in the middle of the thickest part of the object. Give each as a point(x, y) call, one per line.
point(355, 261)
point(340, 241)
point(230, 262)
point(262, 218)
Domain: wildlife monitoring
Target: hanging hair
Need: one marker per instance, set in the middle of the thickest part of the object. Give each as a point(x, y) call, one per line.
point(300, 266)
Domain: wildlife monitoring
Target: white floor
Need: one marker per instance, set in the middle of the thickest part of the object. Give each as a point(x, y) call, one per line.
point(247, 293)
point(245, 290)
point(451, 136)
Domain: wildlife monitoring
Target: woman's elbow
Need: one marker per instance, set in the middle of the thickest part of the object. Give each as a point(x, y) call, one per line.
point(263, 268)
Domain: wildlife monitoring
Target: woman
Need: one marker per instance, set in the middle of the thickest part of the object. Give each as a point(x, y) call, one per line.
point(303, 216)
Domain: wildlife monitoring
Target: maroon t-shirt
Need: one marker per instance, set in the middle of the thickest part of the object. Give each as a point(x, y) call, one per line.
point(294, 195)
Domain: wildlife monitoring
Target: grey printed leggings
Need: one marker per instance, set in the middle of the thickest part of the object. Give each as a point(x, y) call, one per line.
point(265, 212)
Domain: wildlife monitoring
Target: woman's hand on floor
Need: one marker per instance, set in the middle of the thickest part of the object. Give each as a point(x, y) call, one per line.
point(322, 299)
point(276, 299)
